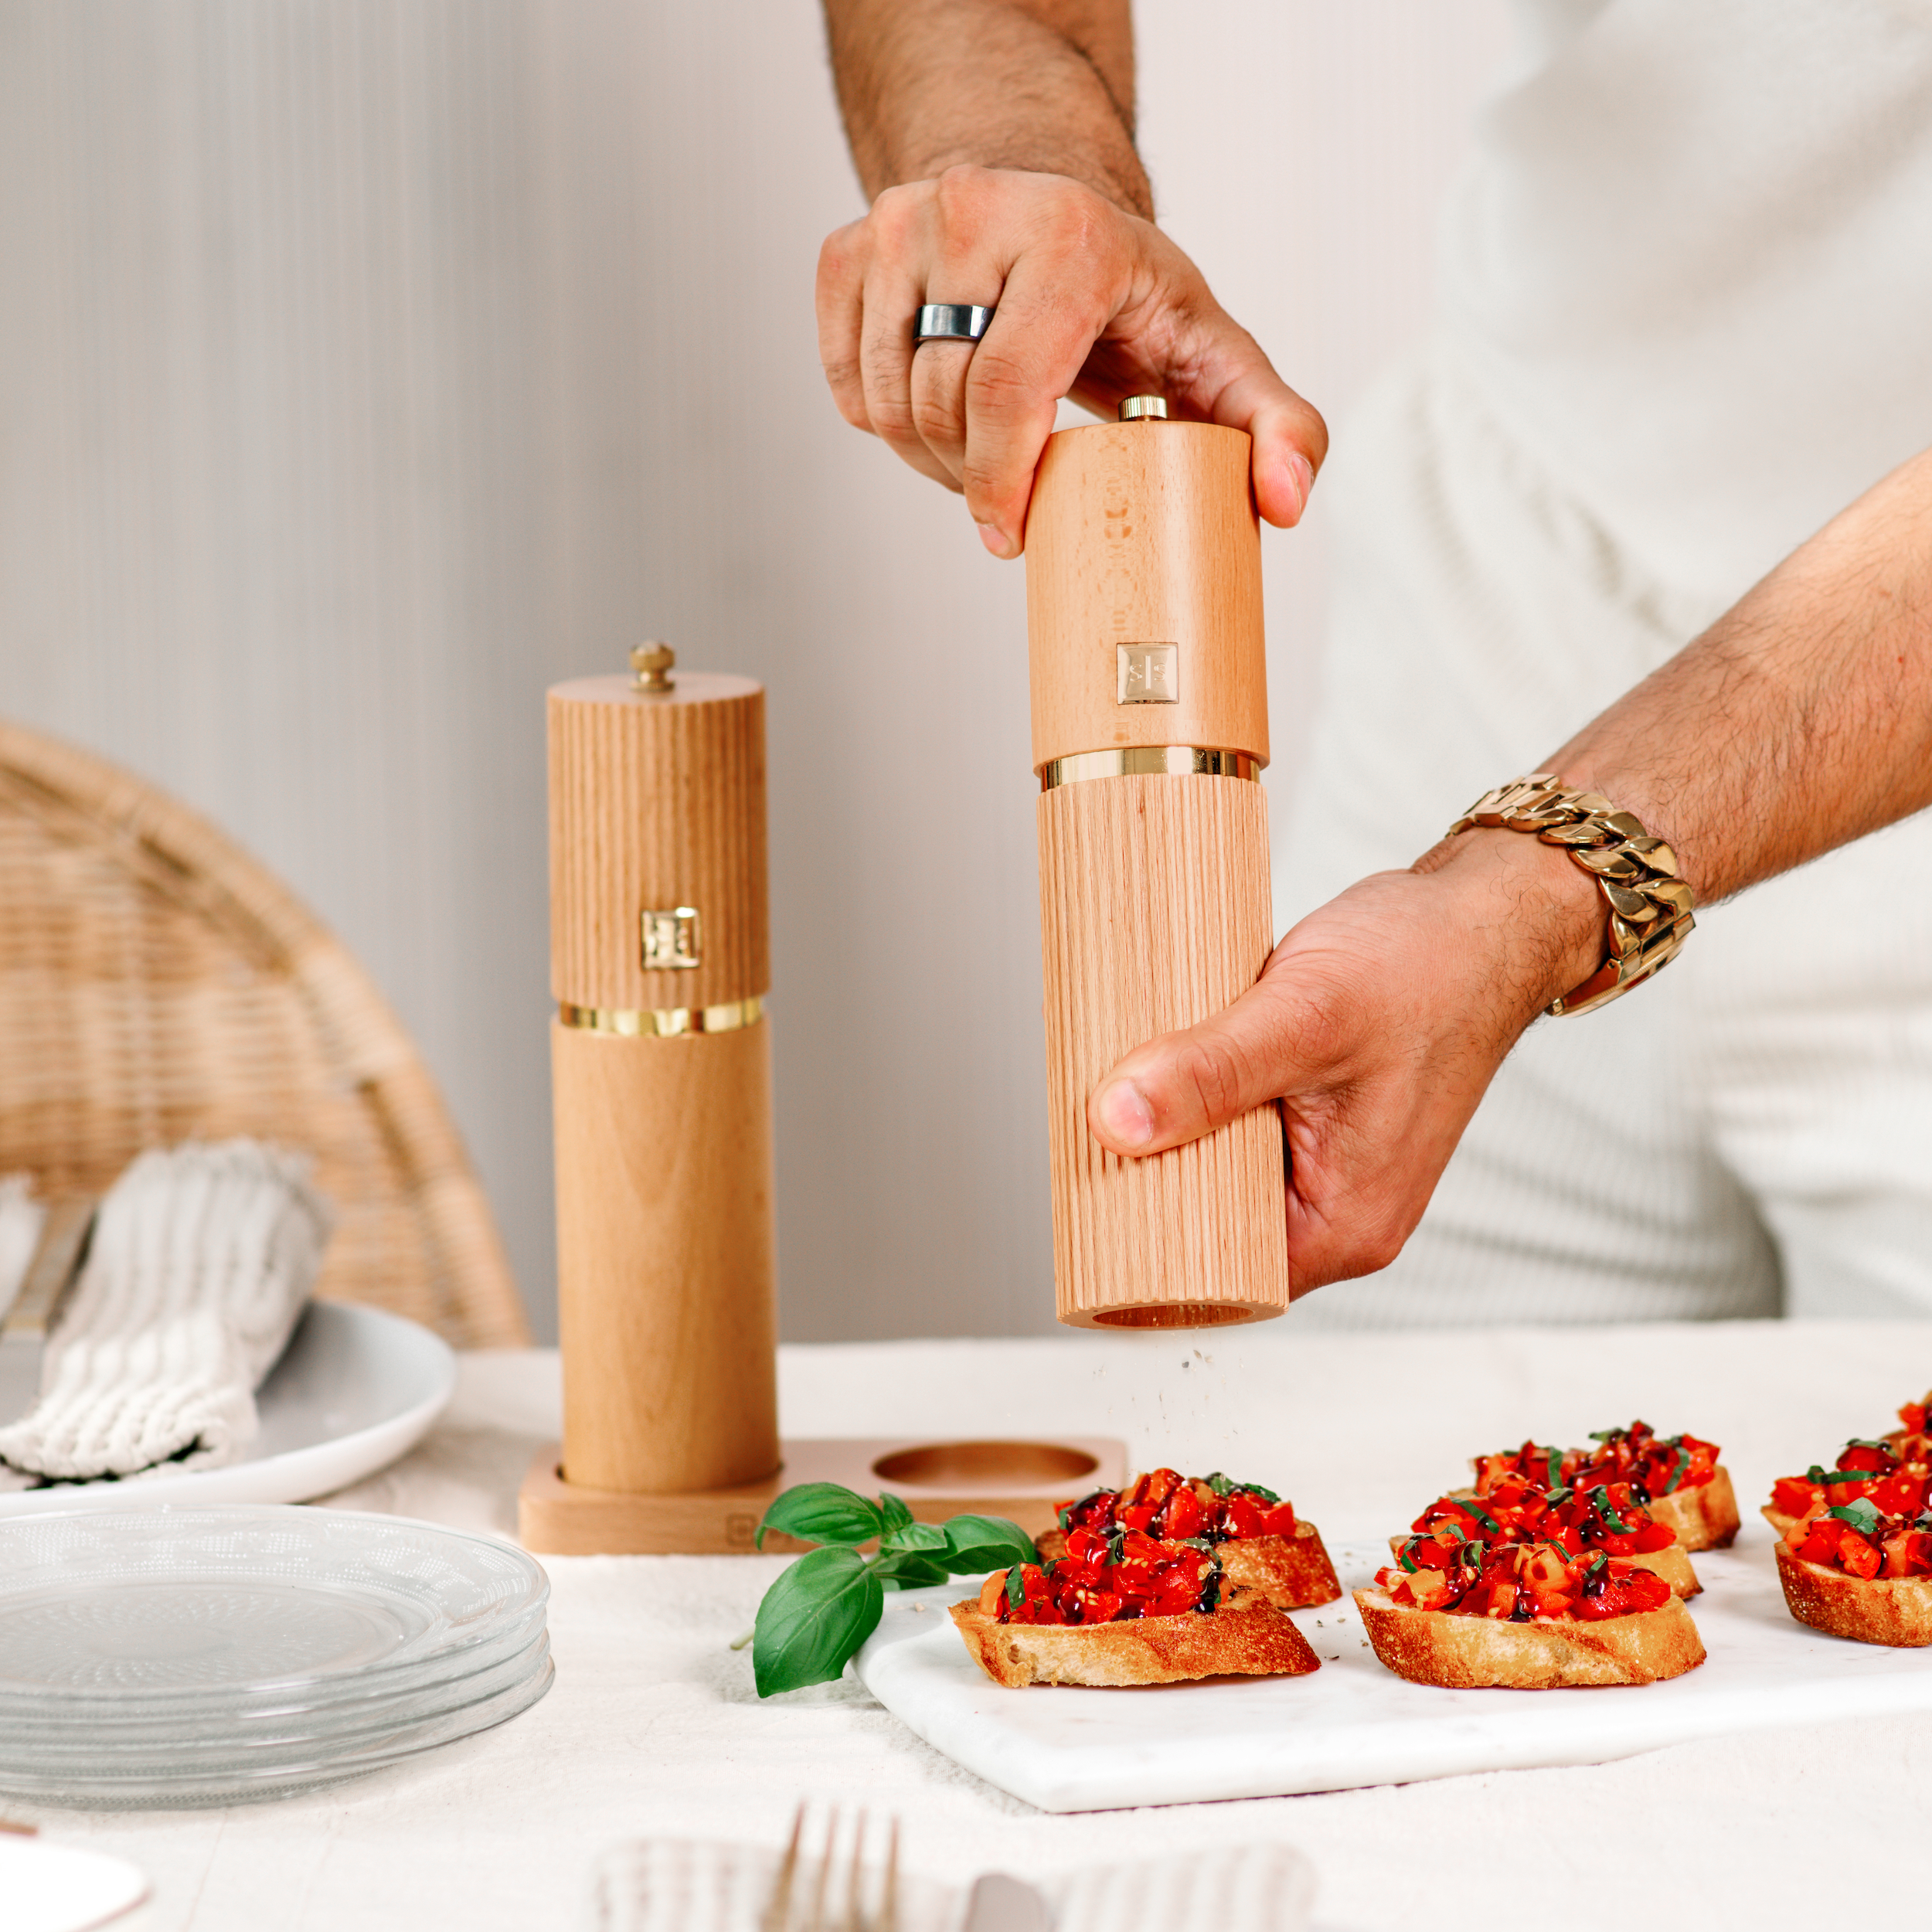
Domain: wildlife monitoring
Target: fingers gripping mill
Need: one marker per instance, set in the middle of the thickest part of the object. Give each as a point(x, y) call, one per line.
point(661, 1064)
point(1150, 731)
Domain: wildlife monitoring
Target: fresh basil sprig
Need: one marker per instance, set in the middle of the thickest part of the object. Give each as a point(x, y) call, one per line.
point(814, 1617)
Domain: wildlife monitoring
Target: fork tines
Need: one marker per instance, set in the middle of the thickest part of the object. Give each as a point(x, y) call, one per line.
point(809, 1895)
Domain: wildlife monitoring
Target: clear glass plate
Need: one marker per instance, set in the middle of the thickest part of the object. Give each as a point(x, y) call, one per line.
point(301, 1769)
point(246, 1707)
point(130, 1613)
point(47, 1747)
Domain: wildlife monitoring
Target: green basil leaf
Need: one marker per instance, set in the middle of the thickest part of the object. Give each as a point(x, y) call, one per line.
point(893, 1513)
point(913, 1536)
point(1870, 1442)
point(1256, 1489)
point(977, 1543)
point(1553, 1459)
point(1220, 1484)
point(909, 1570)
point(822, 1512)
point(1849, 1475)
point(1476, 1510)
point(1678, 1467)
point(1605, 1435)
point(814, 1618)
point(1016, 1587)
point(1859, 1513)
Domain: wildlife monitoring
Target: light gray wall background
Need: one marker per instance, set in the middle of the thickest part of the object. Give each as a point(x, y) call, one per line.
point(367, 365)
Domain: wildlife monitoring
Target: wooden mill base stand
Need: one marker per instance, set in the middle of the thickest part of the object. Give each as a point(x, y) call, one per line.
point(1021, 1481)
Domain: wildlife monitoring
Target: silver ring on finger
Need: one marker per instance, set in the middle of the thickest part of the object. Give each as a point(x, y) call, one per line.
point(951, 322)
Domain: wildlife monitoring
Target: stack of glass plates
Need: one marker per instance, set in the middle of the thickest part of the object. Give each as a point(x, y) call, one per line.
point(175, 1657)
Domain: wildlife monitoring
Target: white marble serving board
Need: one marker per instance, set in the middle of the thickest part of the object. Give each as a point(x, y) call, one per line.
point(1353, 1723)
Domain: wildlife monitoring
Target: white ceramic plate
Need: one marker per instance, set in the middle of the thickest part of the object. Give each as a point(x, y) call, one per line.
point(59, 1888)
point(355, 1388)
point(1353, 1722)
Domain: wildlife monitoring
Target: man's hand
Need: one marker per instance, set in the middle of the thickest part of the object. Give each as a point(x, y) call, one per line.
point(1378, 1023)
point(997, 138)
point(1801, 719)
point(1093, 303)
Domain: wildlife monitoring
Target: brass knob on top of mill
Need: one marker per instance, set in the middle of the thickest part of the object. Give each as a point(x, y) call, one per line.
point(1150, 731)
point(661, 1079)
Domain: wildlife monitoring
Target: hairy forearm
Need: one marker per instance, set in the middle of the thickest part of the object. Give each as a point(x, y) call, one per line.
point(1801, 719)
point(1045, 86)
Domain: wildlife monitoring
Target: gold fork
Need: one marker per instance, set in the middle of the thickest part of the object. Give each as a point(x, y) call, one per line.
point(786, 1912)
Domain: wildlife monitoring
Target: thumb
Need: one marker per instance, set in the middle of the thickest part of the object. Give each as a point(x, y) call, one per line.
point(1185, 1084)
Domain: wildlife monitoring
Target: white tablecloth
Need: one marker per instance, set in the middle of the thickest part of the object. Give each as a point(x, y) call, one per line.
point(653, 1727)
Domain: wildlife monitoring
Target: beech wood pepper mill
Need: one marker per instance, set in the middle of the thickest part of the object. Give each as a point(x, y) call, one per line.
point(1150, 731)
point(661, 1081)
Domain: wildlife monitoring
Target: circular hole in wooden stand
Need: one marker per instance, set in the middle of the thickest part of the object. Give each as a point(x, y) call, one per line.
point(1176, 1315)
point(933, 1465)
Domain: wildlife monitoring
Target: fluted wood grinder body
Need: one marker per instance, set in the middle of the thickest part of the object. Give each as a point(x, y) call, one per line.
point(661, 1059)
point(1150, 731)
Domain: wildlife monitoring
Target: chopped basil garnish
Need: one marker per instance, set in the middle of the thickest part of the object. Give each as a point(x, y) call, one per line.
point(1015, 1588)
point(1859, 1513)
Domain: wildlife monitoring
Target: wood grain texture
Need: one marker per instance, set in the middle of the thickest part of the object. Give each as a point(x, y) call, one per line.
point(1145, 532)
point(1155, 913)
point(657, 802)
point(570, 1519)
point(666, 1310)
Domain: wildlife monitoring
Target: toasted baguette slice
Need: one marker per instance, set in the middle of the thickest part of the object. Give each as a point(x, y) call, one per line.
point(1249, 1640)
point(1291, 1572)
point(1475, 1653)
point(1705, 1517)
point(1671, 1563)
point(1883, 1610)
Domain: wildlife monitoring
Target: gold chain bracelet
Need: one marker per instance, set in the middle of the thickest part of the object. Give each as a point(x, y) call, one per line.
point(1650, 904)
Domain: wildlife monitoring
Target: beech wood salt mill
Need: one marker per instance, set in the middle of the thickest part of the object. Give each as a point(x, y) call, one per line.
point(1150, 731)
point(660, 1061)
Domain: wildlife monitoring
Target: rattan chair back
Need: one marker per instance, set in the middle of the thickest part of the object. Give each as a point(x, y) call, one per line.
point(157, 985)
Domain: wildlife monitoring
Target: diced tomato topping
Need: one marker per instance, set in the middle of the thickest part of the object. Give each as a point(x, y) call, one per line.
point(1175, 1508)
point(1656, 1465)
point(1104, 1578)
point(1793, 1496)
point(1184, 1516)
point(1856, 1556)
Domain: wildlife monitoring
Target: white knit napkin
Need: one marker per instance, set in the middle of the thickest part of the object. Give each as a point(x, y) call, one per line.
point(685, 1885)
point(21, 1216)
point(200, 1260)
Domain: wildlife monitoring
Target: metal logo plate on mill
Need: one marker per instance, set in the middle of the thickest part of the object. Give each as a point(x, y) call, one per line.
point(1147, 674)
point(671, 939)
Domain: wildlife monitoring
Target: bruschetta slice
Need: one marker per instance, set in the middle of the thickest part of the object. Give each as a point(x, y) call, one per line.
point(1264, 1551)
point(1677, 1478)
point(1123, 1607)
point(1527, 1616)
point(1854, 1547)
